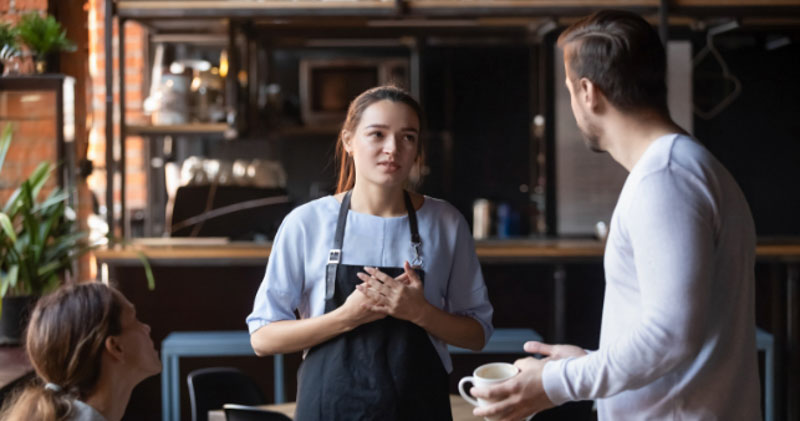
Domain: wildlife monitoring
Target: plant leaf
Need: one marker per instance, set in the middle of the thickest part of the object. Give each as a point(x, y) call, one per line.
point(56, 196)
point(13, 203)
point(62, 245)
point(5, 143)
point(50, 267)
point(8, 227)
point(10, 280)
point(148, 271)
point(3, 287)
point(39, 177)
point(43, 35)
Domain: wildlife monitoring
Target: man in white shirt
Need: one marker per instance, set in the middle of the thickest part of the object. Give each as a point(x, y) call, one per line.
point(677, 338)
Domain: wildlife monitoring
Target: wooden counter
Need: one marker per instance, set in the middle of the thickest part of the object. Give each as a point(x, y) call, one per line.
point(522, 251)
point(560, 281)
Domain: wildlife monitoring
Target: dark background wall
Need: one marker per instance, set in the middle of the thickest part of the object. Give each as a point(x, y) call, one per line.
point(757, 137)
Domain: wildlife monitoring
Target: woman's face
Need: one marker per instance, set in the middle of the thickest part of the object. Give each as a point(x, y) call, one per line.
point(384, 145)
point(137, 347)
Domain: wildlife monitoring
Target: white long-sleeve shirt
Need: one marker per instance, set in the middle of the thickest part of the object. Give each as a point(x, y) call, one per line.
point(677, 339)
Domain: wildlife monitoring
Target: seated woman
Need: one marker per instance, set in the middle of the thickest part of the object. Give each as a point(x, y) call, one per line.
point(382, 279)
point(89, 351)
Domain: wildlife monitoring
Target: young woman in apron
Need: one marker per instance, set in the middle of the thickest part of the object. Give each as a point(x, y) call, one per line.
point(382, 279)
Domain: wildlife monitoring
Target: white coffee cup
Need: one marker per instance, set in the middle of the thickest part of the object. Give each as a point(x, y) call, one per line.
point(486, 375)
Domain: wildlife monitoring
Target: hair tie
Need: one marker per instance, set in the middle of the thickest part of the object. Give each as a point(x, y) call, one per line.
point(53, 387)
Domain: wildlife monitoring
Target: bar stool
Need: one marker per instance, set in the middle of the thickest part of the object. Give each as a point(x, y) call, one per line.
point(765, 342)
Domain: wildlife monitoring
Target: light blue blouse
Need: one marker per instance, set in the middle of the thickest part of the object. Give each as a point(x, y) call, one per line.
point(295, 276)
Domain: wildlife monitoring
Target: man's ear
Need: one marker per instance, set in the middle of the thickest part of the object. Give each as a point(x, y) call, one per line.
point(591, 96)
point(113, 347)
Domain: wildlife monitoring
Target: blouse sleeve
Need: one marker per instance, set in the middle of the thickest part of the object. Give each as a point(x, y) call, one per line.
point(466, 291)
point(280, 291)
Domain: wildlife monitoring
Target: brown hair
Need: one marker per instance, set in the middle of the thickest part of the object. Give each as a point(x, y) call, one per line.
point(347, 171)
point(622, 55)
point(65, 340)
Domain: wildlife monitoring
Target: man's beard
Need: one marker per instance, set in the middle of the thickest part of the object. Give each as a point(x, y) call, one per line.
point(591, 138)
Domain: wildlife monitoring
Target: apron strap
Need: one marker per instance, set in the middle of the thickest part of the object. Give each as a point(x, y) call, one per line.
point(338, 238)
point(335, 254)
point(416, 240)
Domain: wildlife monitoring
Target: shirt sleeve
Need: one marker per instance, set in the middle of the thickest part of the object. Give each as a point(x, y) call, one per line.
point(280, 291)
point(670, 228)
point(466, 291)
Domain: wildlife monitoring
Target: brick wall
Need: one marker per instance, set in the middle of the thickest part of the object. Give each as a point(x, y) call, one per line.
point(34, 139)
point(33, 118)
point(21, 158)
point(134, 95)
point(10, 10)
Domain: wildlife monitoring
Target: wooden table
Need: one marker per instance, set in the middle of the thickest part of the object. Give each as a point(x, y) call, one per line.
point(462, 410)
point(14, 367)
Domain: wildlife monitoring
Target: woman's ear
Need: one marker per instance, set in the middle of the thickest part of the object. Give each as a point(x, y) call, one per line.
point(113, 347)
point(346, 137)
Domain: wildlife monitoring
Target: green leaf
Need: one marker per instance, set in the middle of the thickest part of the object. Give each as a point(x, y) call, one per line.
point(43, 35)
point(50, 267)
point(37, 243)
point(8, 35)
point(11, 279)
point(148, 271)
point(39, 177)
point(62, 246)
point(13, 203)
point(3, 286)
point(5, 143)
point(8, 227)
point(52, 283)
point(56, 196)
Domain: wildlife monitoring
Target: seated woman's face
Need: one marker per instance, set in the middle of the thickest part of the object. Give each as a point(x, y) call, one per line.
point(384, 145)
point(137, 346)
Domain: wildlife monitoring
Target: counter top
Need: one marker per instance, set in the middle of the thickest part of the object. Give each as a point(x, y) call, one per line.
point(220, 252)
point(14, 365)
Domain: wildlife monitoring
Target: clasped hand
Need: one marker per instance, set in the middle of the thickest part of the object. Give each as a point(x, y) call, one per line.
point(401, 297)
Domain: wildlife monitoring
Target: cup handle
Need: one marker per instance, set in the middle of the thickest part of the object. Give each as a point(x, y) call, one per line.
point(464, 394)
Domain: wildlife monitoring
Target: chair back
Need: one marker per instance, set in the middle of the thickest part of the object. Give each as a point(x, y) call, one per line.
point(211, 388)
point(235, 412)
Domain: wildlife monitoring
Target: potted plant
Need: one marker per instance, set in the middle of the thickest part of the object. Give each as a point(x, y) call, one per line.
point(9, 50)
point(38, 245)
point(43, 36)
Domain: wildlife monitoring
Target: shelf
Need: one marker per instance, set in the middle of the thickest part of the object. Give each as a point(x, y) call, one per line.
point(159, 9)
point(197, 9)
point(209, 129)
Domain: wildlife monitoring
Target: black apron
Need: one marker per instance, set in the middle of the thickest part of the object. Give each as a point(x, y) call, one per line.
point(384, 370)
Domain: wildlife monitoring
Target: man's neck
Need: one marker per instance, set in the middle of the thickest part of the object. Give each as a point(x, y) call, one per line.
point(627, 136)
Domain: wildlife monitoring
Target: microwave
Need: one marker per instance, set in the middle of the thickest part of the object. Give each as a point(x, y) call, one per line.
point(328, 85)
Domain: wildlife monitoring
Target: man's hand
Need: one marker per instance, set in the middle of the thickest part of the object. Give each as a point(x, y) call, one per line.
point(553, 352)
point(516, 398)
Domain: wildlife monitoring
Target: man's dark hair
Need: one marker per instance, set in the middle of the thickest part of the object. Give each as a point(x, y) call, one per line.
point(622, 55)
